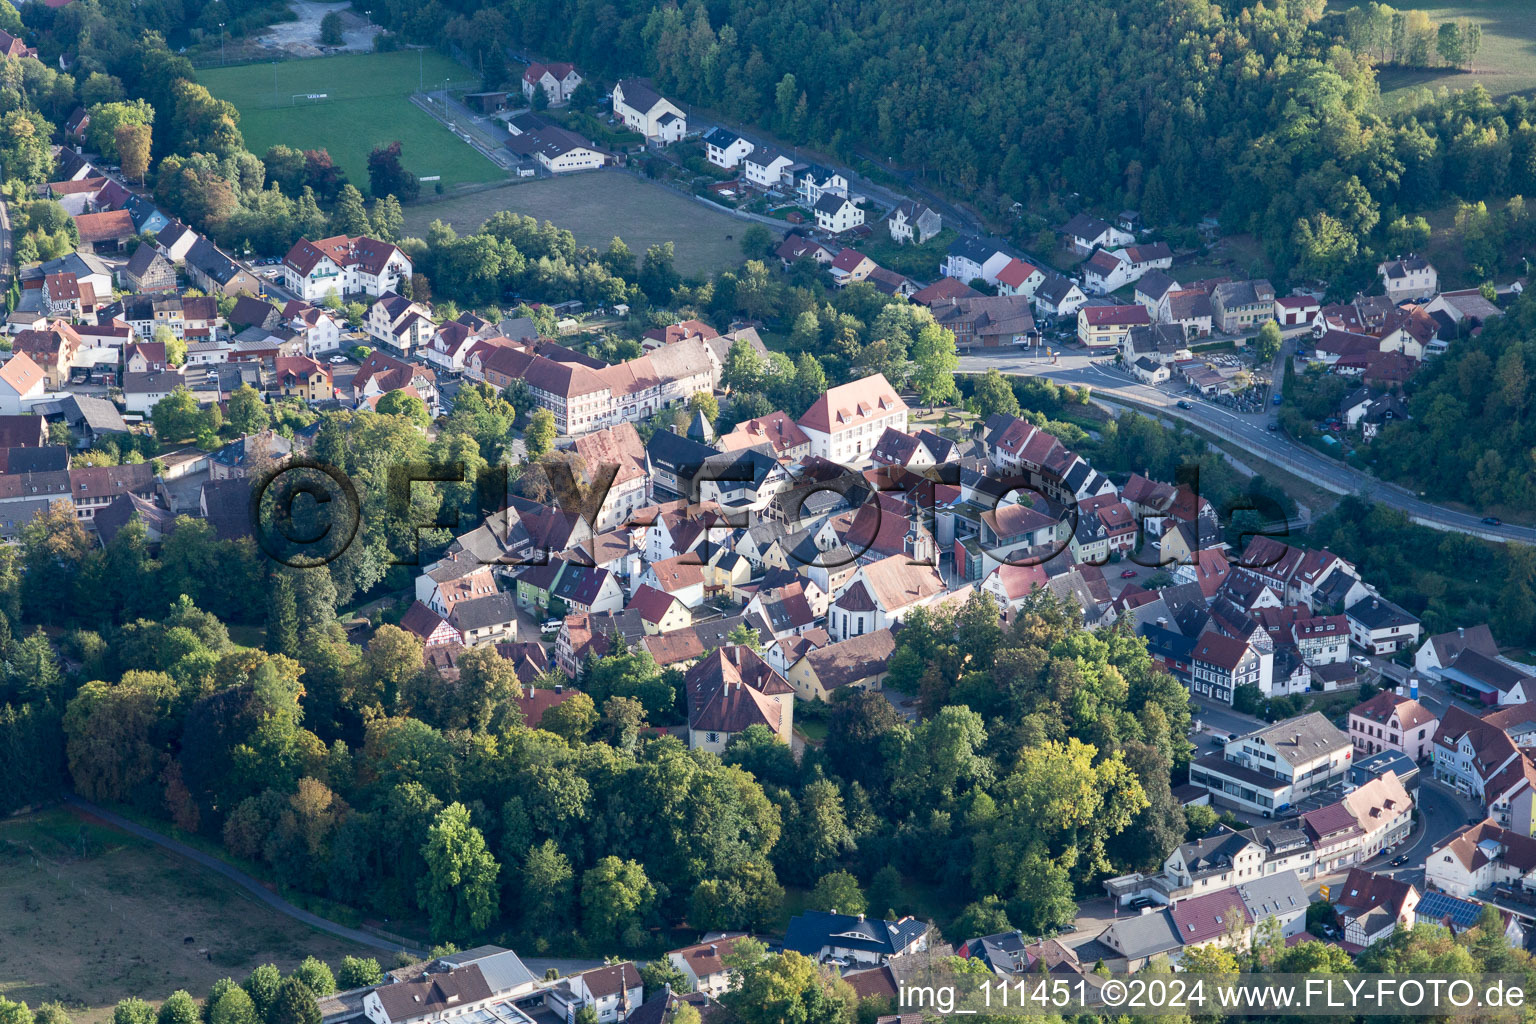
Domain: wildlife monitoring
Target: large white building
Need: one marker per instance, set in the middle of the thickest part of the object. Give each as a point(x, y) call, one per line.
point(1268, 771)
point(346, 265)
point(845, 423)
point(644, 110)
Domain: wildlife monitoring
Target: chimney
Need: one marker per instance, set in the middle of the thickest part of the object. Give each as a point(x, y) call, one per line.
point(1461, 630)
point(713, 949)
point(559, 687)
point(1296, 739)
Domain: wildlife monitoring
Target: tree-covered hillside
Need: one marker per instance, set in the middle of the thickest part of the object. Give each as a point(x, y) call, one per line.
point(1266, 114)
point(1472, 437)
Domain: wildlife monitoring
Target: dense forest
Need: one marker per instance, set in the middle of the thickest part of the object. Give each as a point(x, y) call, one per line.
point(1472, 434)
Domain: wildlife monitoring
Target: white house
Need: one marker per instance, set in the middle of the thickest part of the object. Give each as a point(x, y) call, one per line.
point(316, 325)
point(346, 265)
point(766, 167)
point(558, 80)
point(1058, 296)
point(644, 110)
point(1220, 664)
point(175, 240)
point(814, 182)
point(1085, 233)
point(914, 221)
point(847, 421)
point(1267, 771)
point(1104, 271)
point(400, 324)
point(1381, 627)
point(725, 148)
point(559, 151)
point(880, 594)
point(1412, 277)
point(22, 383)
point(836, 213)
point(969, 258)
point(1019, 278)
point(613, 992)
point(702, 965)
point(1477, 857)
point(1440, 650)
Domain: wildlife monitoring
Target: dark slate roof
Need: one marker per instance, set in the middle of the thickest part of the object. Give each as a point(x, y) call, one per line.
point(1085, 226)
point(490, 610)
point(1379, 613)
point(815, 929)
point(46, 459)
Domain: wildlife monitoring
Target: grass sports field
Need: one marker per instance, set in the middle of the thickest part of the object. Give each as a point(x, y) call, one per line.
point(596, 205)
point(367, 103)
point(90, 929)
point(1505, 64)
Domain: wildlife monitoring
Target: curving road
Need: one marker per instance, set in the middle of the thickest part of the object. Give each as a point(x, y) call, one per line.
point(1249, 432)
point(240, 878)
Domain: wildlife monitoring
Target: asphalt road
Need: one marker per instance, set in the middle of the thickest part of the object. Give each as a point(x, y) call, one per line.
point(1250, 432)
point(241, 879)
point(1441, 812)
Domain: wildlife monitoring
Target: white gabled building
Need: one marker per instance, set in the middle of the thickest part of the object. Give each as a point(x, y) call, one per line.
point(725, 149)
point(847, 421)
point(403, 326)
point(766, 167)
point(644, 110)
point(558, 80)
point(837, 213)
point(346, 265)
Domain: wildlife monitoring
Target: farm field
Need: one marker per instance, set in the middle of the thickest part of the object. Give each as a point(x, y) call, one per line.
point(595, 206)
point(367, 103)
point(91, 930)
point(1505, 64)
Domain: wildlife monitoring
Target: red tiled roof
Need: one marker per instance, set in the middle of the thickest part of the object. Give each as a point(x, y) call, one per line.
point(370, 254)
point(1015, 272)
point(942, 289)
point(850, 404)
point(848, 260)
point(652, 604)
point(1116, 316)
point(1202, 918)
point(108, 226)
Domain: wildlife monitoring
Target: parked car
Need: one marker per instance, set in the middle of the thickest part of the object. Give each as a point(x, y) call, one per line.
point(1273, 426)
point(1361, 661)
point(551, 626)
point(1142, 902)
point(338, 359)
point(1399, 860)
point(1129, 574)
point(1277, 399)
point(837, 961)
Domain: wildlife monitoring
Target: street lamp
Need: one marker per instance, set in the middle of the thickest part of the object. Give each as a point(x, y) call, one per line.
point(221, 43)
